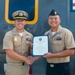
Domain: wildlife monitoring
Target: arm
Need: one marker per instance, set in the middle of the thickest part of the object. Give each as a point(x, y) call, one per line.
point(60, 54)
point(33, 58)
point(69, 44)
point(14, 55)
point(37, 58)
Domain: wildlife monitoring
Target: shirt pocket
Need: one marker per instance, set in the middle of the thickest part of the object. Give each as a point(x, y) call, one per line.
point(58, 46)
point(17, 41)
point(58, 42)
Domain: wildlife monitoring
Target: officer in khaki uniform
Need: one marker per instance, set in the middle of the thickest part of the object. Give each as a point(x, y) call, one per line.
point(16, 44)
point(61, 47)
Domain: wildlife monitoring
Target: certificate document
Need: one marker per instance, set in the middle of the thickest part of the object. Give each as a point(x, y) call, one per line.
point(40, 45)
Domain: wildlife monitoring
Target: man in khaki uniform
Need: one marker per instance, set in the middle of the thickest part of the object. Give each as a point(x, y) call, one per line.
point(61, 47)
point(16, 44)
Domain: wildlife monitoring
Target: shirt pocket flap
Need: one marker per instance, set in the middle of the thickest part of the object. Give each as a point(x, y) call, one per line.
point(57, 42)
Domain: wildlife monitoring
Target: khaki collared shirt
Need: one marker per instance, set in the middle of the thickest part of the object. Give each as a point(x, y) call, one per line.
point(63, 39)
point(20, 44)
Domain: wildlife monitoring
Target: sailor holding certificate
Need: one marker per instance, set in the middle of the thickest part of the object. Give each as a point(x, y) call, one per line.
point(62, 46)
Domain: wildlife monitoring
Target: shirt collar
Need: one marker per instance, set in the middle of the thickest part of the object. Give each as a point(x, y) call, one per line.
point(14, 31)
point(58, 30)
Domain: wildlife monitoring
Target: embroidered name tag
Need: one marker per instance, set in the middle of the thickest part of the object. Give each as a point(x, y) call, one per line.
point(58, 38)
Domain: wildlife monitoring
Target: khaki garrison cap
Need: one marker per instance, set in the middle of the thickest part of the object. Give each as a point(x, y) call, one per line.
point(20, 15)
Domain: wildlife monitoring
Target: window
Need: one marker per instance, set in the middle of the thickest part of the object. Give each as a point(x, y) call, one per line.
point(30, 6)
point(72, 5)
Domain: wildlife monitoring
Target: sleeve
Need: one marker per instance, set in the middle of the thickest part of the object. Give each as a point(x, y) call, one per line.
point(8, 41)
point(69, 40)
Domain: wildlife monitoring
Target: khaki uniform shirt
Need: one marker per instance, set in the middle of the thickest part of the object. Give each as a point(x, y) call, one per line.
point(63, 39)
point(14, 41)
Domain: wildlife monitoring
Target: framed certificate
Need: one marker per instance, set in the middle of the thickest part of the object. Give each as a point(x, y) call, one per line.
point(40, 45)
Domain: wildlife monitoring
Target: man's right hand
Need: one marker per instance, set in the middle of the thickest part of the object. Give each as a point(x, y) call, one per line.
point(29, 60)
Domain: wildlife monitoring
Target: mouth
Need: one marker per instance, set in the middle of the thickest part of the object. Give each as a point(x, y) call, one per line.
point(53, 23)
point(20, 25)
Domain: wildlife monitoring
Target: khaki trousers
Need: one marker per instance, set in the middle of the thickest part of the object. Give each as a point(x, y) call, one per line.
point(12, 69)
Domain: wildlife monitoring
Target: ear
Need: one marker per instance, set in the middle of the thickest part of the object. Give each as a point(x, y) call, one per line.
point(60, 19)
point(14, 21)
point(25, 22)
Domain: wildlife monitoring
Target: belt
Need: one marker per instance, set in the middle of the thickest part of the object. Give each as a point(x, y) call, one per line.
point(17, 63)
point(57, 64)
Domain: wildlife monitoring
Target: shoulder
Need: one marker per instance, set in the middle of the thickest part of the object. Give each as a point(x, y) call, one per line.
point(66, 31)
point(28, 33)
point(47, 32)
point(8, 34)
